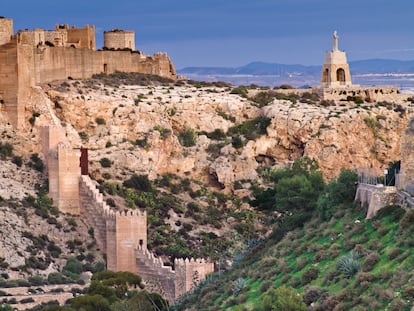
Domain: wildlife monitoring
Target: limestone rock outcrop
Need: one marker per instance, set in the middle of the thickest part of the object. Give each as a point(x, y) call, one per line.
point(137, 127)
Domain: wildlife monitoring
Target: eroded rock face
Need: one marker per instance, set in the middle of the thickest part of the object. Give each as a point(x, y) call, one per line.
point(137, 127)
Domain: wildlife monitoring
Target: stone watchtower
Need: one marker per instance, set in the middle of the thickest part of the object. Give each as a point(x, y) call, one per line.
point(335, 70)
point(119, 39)
point(6, 30)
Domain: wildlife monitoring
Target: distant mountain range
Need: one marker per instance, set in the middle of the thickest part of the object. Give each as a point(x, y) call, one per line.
point(369, 66)
point(364, 72)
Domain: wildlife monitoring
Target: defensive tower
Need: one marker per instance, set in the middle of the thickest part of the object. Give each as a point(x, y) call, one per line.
point(119, 39)
point(6, 30)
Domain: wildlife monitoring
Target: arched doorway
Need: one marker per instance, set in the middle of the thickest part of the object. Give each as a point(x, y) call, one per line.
point(340, 75)
point(325, 76)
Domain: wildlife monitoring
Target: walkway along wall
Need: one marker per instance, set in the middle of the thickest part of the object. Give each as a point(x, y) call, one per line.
point(375, 197)
point(122, 235)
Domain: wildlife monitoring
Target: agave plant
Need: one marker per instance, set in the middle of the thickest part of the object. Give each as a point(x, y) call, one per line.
point(349, 264)
point(238, 286)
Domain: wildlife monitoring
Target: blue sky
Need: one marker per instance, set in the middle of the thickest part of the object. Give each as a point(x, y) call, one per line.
point(235, 32)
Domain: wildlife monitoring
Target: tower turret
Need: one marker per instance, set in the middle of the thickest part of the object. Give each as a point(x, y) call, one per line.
point(6, 30)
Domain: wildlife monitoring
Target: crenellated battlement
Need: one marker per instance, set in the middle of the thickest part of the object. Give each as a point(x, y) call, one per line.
point(122, 235)
point(34, 57)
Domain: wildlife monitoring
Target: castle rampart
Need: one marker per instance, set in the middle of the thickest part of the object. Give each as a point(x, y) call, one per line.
point(122, 235)
point(6, 30)
point(34, 57)
point(119, 39)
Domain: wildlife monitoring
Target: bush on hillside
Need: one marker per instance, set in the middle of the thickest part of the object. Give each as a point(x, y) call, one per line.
point(338, 191)
point(6, 150)
point(138, 182)
point(282, 298)
point(349, 264)
point(188, 137)
point(105, 162)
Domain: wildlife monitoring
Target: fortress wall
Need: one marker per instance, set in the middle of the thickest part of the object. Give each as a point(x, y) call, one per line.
point(370, 94)
point(68, 174)
point(189, 272)
point(31, 37)
point(59, 63)
point(53, 174)
point(119, 39)
point(111, 258)
point(9, 80)
point(58, 38)
point(131, 232)
point(117, 233)
point(84, 36)
point(6, 30)
point(95, 211)
point(156, 276)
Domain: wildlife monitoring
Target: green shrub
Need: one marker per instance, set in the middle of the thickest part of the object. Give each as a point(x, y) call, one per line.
point(143, 143)
point(236, 142)
point(313, 294)
point(310, 275)
point(105, 162)
point(73, 265)
point(251, 129)
point(394, 253)
point(282, 298)
point(349, 264)
point(57, 278)
point(396, 212)
point(100, 121)
point(188, 137)
point(6, 150)
point(36, 162)
point(370, 261)
point(17, 160)
point(239, 286)
point(54, 250)
point(138, 182)
point(217, 134)
point(242, 91)
point(84, 136)
point(32, 119)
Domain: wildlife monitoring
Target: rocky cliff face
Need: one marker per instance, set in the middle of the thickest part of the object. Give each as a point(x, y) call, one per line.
point(137, 127)
point(204, 133)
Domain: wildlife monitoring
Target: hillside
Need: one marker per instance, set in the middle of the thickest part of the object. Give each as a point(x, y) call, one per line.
point(195, 153)
point(346, 263)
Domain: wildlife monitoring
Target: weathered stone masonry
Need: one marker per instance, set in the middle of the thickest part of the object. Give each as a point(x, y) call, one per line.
point(35, 57)
point(122, 235)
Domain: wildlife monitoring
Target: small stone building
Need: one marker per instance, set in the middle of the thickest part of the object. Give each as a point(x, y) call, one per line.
point(335, 70)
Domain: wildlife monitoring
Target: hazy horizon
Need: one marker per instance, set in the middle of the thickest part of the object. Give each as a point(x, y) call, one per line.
point(235, 33)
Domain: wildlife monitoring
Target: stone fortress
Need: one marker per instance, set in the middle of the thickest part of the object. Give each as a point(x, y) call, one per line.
point(34, 57)
point(122, 235)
